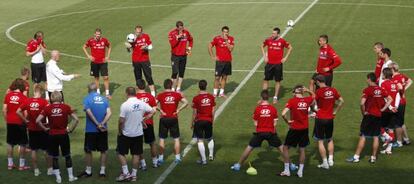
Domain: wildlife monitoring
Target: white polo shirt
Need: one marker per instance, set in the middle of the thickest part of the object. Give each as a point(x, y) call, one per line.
point(55, 76)
point(385, 65)
point(133, 111)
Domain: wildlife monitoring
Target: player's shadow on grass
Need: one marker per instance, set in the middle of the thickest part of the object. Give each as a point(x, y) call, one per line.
point(113, 86)
point(187, 83)
point(231, 86)
point(283, 91)
point(268, 154)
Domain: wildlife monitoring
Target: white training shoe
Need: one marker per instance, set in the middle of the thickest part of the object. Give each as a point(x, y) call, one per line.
point(72, 179)
point(387, 152)
point(37, 172)
point(285, 173)
point(300, 174)
point(59, 179)
point(211, 158)
point(323, 166)
point(330, 163)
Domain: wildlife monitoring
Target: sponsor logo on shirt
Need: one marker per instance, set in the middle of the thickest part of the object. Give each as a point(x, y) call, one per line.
point(169, 100)
point(98, 100)
point(135, 107)
point(56, 112)
point(205, 102)
point(328, 94)
point(302, 106)
point(34, 105)
point(144, 99)
point(14, 99)
point(265, 113)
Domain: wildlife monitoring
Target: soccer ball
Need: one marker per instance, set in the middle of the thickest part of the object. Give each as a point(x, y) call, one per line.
point(291, 23)
point(131, 38)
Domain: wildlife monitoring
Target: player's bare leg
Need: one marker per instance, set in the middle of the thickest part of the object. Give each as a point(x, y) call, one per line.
point(22, 155)
point(331, 149)
point(322, 152)
point(312, 86)
point(153, 148)
point(106, 85)
point(174, 85)
point(124, 165)
point(277, 89)
point(152, 89)
point(34, 163)
point(406, 139)
point(88, 162)
point(161, 152)
point(286, 160)
point(245, 154)
point(135, 166)
point(223, 82)
point(179, 82)
point(96, 80)
point(265, 85)
point(49, 163)
point(216, 85)
point(360, 147)
point(10, 156)
point(399, 135)
point(375, 145)
point(177, 150)
point(301, 162)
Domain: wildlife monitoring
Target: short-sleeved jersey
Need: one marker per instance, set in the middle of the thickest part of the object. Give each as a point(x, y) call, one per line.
point(33, 107)
point(133, 111)
point(299, 112)
point(169, 101)
point(325, 99)
point(14, 100)
point(31, 46)
point(204, 105)
point(392, 89)
point(179, 46)
point(151, 101)
point(327, 58)
point(401, 79)
point(375, 100)
point(275, 49)
point(98, 106)
point(98, 48)
point(139, 54)
point(58, 116)
point(378, 67)
point(223, 53)
point(265, 115)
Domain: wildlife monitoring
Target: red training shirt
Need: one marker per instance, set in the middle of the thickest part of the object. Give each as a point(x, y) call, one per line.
point(392, 89)
point(138, 54)
point(26, 87)
point(374, 96)
point(204, 104)
point(402, 79)
point(151, 101)
point(223, 53)
point(325, 99)
point(299, 112)
point(169, 101)
point(14, 100)
point(34, 106)
point(58, 116)
point(378, 67)
point(33, 44)
point(179, 46)
point(98, 48)
point(275, 49)
point(327, 58)
point(265, 115)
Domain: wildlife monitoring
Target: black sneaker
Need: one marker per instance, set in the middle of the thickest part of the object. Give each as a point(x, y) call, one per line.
point(84, 175)
point(405, 143)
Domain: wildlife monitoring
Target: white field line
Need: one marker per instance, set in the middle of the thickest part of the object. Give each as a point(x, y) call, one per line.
point(228, 100)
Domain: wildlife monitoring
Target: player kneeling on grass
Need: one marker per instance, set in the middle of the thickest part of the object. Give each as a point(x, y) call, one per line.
point(58, 115)
point(38, 138)
point(149, 135)
point(130, 133)
point(372, 105)
point(298, 126)
point(324, 123)
point(96, 129)
point(202, 122)
point(265, 120)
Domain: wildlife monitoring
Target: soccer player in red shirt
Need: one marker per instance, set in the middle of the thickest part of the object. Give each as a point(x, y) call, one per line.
point(224, 44)
point(374, 101)
point(274, 60)
point(169, 101)
point(99, 59)
point(38, 139)
point(298, 126)
point(58, 115)
point(378, 46)
point(16, 130)
point(36, 49)
point(406, 82)
point(24, 74)
point(325, 98)
point(181, 43)
point(265, 120)
point(140, 57)
point(202, 121)
point(328, 60)
point(149, 135)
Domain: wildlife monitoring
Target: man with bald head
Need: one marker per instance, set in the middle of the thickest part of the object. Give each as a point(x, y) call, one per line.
point(55, 76)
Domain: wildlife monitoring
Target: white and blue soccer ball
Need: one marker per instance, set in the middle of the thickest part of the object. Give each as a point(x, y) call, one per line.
point(131, 38)
point(291, 23)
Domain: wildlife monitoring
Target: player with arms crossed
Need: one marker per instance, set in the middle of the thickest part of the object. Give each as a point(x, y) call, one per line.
point(202, 121)
point(181, 43)
point(298, 126)
point(374, 101)
point(99, 59)
point(274, 60)
point(265, 120)
point(224, 44)
point(328, 60)
point(36, 48)
point(325, 98)
point(168, 101)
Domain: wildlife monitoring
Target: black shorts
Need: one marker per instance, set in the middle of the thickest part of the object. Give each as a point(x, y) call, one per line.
point(323, 129)
point(328, 79)
point(271, 138)
point(56, 142)
point(16, 135)
point(99, 68)
point(169, 125)
point(143, 67)
point(370, 126)
point(50, 95)
point(400, 115)
point(273, 72)
point(203, 129)
point(178, 64)
point(389, 120)
point(149, 135)
point(223, 68)
point(96, 141)
point(296, 138)
point(38, 72)
point(133, 145)
point(38, 140)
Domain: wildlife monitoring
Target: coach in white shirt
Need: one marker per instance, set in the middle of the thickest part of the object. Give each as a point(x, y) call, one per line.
point(130, 137)
point(55, 76)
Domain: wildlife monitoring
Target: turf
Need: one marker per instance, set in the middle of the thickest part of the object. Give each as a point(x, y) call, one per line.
point(353, 26)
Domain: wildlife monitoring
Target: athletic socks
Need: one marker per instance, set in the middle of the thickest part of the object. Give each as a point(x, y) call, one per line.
point(98, 91)
point(153, 93)
point(202, 151)
point(47, 96)
point(10, 161)
point(125, 169)
point(286, 170)
point(22, 162)
point(211, 148)
point(143, 163)
point(324, 161)
point(134, 172)
point(178, 156)
point(154, 160)
point(107, 92)
point(221, 91)
point(102, 170)
point(161, 157)
point(215, 90)
point(356, 157)
point(70, 172)
point(88, 170)
point(301, 166)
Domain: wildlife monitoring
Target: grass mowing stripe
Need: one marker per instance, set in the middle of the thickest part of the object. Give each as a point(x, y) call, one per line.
point(171, 167)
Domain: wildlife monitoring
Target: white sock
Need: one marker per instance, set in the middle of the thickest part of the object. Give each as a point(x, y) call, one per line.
point(325, 161)
point(154, 160)
point(10, 161)
point(88, 170)
point(143, 163)
point(178, 89)
point(153, 93)
point(161, 157)
point(134, 172)
point(330, 157)
point(215, 90)
point(107, 92)
point(356, 157)
point(399, 142)
point(173, 89)
point(301, 166)
point(373, 157)
point(49, 170)
point(98, 91)
point(221, 91)
point(57, 173)
point(202, 151)
point(211, 148)
point(406, 139)
point(178, 156)
point(102, 170)
point(287, 168)
point(389, 147)
point(47, 95)
point(22, 162)
point(125, 169)
point(70, 172)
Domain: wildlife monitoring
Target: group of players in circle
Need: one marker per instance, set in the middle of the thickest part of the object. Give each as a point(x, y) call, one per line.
point(45, 116)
